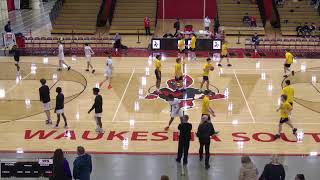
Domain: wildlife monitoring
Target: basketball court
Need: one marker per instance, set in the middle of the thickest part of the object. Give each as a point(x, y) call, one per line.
point(245, 102)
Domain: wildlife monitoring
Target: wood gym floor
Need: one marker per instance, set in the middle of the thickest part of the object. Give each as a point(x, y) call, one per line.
point(246, 119)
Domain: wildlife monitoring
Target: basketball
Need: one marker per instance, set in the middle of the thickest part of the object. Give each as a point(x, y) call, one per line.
point(211, 68)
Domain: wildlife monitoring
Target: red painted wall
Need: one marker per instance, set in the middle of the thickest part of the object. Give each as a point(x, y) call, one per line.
point(10, 5)
point(186, 9)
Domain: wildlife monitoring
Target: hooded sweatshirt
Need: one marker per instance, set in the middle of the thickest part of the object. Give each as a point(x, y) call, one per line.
point(82, 167)
point(248, 171)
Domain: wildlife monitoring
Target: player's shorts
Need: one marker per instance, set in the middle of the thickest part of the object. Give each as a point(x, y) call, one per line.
point(192, 49)
point(180, 78)
point(108, 73)
point(88, 58)
point(283, 120)
point(205, 78)
point(158, 74)
point(176, 114)
point(287, 65)
point(98, 115)
point(59, 111)
point(224, 56)
point(46, 106)
point(209, 118)
point(182, 50)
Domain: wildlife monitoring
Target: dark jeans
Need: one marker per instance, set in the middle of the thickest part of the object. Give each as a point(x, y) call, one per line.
point(147, 30)
point(176, 33)
point(183, 148)
point(207, 150)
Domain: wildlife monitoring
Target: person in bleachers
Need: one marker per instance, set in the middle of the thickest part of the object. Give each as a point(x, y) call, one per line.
point(299, 30)
point(253, 21)
point(176, 26)
point(313, 28)
point(306, 29)
point(147, 25)
point(7, 27)
point(255, 40)
point(246, 19)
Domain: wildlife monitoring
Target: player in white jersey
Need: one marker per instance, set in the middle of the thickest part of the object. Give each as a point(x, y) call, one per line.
point(88, 52)
point(108, 71)
point(175, 109)
point(61, 57)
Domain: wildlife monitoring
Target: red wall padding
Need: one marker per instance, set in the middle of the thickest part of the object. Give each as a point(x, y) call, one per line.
point(268, 8)
point(186, 9)
point(10, 5)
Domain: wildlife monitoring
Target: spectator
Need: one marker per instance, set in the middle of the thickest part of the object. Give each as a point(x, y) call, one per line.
point(61, 169)
point(313, 28)
point(248, 171)
point(246, 19)
point(176, 25)
point(7, 27)
point(299, 177)
point(306, 29)
point(164, 177)
point(253, 21)
point(82, 165)
point(255, 40)
point(204, 133)
point(206, 23)
point(274, 170)
point(299, 30)
point(184, 139)
point(147, 25)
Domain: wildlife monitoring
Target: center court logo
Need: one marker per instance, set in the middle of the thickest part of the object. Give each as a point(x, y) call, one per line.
point(187, 96)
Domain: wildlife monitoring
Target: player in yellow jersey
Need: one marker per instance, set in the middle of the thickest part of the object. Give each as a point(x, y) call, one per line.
point(205, 107)
point(285, 109)
point(206, 69)
point(193, 47)
point(289, 92)
point(287, 64)
point(224, 53)
point(181, 47)
point(178, 75)
point(157, 72)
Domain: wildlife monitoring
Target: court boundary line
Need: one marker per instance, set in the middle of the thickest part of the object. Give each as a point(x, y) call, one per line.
point(244, 97)
point(125, 91)
point(193, 122)
point(159, 153)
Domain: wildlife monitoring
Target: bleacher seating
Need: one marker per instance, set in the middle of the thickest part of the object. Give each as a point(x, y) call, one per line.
point(73, 45)
point(78, 17)
point(129, 15)
point(283, 43)
point(231, 14)
point(297, 13)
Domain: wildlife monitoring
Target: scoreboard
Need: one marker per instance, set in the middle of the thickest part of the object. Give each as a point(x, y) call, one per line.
point(172, 44)
point(26, 168)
